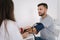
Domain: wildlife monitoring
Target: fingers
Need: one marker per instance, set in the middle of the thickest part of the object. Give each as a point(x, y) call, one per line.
point(25, 34)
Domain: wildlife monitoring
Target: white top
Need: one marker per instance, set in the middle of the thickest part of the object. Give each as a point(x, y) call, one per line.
point(48, 31)
point(13, 31)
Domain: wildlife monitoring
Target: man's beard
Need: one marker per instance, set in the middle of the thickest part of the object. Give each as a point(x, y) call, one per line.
point(42, 14)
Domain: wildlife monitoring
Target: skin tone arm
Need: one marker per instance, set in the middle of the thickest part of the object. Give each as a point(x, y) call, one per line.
point(32, 30)
point(29, 30)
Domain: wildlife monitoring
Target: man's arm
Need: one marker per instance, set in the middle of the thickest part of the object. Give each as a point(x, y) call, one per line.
point(36, 28)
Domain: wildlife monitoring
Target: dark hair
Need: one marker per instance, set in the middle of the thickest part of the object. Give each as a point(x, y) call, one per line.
point(6, 10)
point(44, 4)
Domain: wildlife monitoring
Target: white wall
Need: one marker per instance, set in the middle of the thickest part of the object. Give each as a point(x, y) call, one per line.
point(26, 11)
point(58, 13)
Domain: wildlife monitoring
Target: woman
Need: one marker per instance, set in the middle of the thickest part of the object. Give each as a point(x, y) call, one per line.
point(8, 27)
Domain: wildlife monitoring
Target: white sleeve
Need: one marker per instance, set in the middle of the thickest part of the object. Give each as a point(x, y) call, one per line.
point(13, 31)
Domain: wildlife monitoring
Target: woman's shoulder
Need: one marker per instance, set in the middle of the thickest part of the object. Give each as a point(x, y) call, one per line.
point(11, 25)
point(10, 22)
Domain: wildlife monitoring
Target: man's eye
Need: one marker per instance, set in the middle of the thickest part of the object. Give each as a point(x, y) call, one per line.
point(40, 9)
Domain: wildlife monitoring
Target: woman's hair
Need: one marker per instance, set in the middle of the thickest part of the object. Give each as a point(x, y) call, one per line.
point(6, 10)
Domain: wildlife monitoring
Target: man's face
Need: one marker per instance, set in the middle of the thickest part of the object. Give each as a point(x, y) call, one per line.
point(41, 10)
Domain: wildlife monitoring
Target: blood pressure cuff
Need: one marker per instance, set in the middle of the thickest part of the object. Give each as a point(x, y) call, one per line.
point(39, 26)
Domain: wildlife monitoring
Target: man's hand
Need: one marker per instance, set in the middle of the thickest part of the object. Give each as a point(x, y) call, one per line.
point(25, 35)
point(31, 30)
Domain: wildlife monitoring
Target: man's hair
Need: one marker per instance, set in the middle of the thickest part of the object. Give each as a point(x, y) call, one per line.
point(44, 4)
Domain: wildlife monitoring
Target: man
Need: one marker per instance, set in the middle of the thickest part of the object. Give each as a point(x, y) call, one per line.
point(46, 25)
point(47, 21)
